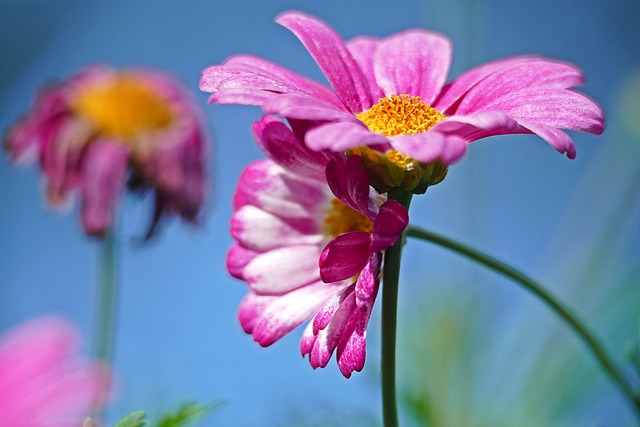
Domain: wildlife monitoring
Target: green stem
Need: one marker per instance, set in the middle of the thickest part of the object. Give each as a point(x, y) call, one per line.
point(588, 337)
point(390, 276)
point(106, 301)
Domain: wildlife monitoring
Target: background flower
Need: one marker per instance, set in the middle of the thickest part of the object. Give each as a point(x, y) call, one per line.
point(103, 126)
point(43, 379)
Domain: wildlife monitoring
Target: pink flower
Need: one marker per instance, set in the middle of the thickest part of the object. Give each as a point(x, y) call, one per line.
point(390, 94)
point(284, 216)
point(43, 381)
point(104, 126)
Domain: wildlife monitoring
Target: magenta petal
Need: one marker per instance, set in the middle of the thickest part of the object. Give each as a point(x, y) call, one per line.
point(297, 83)
point(345, 256)
point(307, 340)
point(532, 75)
point(363, 49)
point(329, 308)
point(333, 58)
point(555, 137)
point(104, 169)
point(368, 281)
point(430, 146)
point(328, 338)
point(349, 182)
point(392, 219)
point(304, 107)
point(343, 136)
point(559, 108)
point(282, 314)
point(352, 348)
point(280, 144)
point(453, 92)
point(478, 125)
point(251, 308)
point(237, 259)
point(415, 62)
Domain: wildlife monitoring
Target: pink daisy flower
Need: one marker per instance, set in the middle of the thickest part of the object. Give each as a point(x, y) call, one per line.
point(390, 95)
point(43, 380)
point(293, 235)
point(103, 126)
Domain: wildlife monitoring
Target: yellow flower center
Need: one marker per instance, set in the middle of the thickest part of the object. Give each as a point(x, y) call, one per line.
point(392, 116)
point(342, 219)
point(123, 107)
point(400, 114)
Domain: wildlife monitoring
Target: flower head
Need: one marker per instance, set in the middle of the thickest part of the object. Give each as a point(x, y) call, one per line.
point(43, 381)
point(103, 126)
point(306, 251)
point(390, 103)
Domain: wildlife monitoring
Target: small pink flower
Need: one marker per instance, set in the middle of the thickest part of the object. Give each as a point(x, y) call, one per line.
point(390, 95)
point(43, 381)
point(102, 127)
point(291, 233)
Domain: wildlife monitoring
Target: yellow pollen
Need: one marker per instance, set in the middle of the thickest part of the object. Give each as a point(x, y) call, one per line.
point(400, 114)
point(342, 219)
point(123, 107)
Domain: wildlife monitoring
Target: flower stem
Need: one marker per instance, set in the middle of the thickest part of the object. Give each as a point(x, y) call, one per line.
point(588, 337)
point(390, 276)
point(106, 302)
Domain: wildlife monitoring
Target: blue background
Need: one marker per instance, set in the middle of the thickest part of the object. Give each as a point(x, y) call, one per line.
point(572, 224)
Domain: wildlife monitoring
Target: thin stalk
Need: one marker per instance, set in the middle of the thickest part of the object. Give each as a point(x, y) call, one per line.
point(106, 301)
point(106, 304)
point(390, 277)
point(578, 326)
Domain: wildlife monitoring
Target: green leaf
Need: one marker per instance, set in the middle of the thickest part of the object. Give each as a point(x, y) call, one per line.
point(187, 412)
point(135, 419)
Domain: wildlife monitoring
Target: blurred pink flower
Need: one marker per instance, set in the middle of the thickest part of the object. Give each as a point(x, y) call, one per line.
point(43, 380)
point(102, 127)
point(285, 214)
point(390, 95)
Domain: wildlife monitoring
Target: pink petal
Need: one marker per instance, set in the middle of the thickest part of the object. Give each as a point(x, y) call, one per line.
point(454, 91)
point(430, 146)
point(478, 125)
point(415, 62)
point(250, 80)
point(328, 338)
point(327, 311)
point(555, 137)
point(544, 75)
point(304, 107)
point(363, 49)
point(268, 186)
point(352, 348)
point(368, 281)
point(237, 259)
point(345, 256)
point(349, 182)
point(280, 144)
point(392, 219)
point(104, 170)
point(333, 58)
point(261, 231)
point(298, 83)
point(558, 108)
point(270, 318)
point(343, 136)
point(282, 270)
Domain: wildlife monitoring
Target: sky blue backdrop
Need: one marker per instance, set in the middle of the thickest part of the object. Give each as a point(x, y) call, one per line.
point(177, 334)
